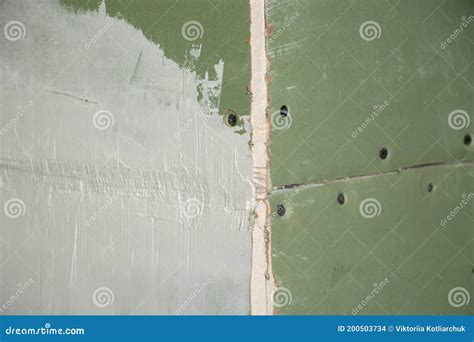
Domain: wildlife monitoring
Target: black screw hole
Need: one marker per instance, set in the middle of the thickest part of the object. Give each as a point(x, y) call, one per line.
point(232, 119)
point(280, 210)
point(341, 199)
point(383, 153)
point(284, 111)
point(430, 187)
point(467, 139)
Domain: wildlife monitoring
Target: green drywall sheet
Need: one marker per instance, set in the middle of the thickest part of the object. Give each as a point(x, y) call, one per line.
point(221, 27)
point(390, 234)
point(357, 77)
point(380, 66)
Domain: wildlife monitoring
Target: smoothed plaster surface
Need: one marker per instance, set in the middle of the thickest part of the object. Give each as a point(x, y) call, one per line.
point(134, 196)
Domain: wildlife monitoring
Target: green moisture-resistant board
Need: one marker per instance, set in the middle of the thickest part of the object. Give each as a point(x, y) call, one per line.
point(165, 22)
point(370, 104)
point(393, 247)
point(359, 76)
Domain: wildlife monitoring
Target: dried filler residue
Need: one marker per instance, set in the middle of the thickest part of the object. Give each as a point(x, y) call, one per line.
point(135, 197)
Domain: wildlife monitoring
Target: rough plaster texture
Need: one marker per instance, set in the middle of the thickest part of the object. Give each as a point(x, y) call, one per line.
point(134, 198)
point(261, 285)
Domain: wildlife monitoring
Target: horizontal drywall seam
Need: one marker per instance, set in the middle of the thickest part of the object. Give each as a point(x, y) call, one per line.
point(369, 176)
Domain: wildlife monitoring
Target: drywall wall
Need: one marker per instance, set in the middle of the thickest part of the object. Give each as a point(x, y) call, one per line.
point(384, 251)
point(123, 189)
point(371, 153)
point(126, 172)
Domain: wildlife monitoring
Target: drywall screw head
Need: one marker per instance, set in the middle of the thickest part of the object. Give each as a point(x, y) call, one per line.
point(341, 199)
point(467, 139)
point(232, 119)
point(280, 210)
point(383, 153)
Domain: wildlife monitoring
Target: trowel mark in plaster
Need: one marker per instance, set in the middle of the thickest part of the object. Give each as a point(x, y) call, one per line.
point(140, 158)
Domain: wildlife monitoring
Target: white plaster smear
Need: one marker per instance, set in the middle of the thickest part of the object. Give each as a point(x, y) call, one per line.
point(261, 283)
point(155, 207)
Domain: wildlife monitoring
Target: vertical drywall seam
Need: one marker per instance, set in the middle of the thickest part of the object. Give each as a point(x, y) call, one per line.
point(261, 273)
